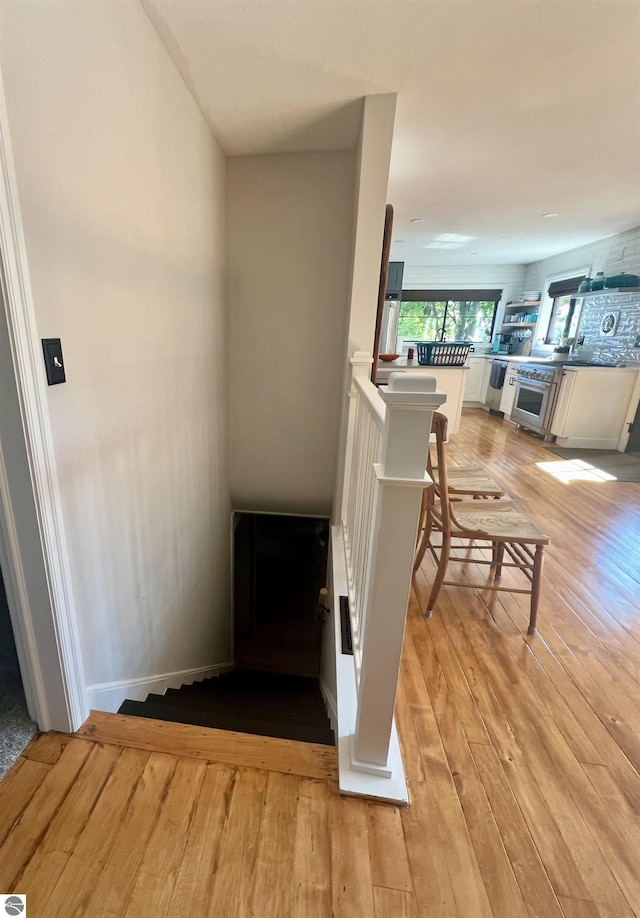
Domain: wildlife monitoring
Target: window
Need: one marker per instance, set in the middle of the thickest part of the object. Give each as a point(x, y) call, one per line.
point(447, 315)
point(561, 326)
point(560, 311)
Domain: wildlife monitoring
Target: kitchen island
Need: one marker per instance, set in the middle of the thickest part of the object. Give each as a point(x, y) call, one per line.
point(450, 380)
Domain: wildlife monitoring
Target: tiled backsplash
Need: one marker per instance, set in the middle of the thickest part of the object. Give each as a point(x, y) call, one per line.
point(619, 348)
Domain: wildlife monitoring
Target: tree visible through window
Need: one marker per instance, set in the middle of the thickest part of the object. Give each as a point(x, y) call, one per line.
point(445, 320)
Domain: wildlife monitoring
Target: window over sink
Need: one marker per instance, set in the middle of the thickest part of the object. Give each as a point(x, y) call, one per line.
point(447, 315)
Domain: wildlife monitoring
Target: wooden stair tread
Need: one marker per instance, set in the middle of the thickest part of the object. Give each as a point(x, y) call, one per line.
point(312, 711)
point(308, 760)
point(222, 689)
point(264, 680)
point(165, 708)
point(245, 701)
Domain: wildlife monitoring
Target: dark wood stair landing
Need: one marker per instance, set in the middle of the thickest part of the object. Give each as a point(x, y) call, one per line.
point(245, 701)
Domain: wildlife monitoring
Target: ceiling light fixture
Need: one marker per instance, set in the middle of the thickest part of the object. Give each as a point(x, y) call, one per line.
point(399, 241)
point(418, 220)
point(548, 216)
point(452, 237)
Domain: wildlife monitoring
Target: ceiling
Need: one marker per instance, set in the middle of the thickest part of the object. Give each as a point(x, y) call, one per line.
point(507, 110)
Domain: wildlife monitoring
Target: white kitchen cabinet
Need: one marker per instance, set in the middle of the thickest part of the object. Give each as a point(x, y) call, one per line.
point(475, 388)
point(509, 388)
point(592, 406)
point(451, 381)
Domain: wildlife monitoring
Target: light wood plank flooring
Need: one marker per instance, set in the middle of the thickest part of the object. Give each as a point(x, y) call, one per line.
point(522, 755)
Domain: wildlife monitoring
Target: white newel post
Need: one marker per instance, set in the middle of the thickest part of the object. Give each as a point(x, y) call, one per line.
point(410, 399)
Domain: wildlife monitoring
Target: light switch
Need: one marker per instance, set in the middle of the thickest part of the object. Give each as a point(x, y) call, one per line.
point(54, 364)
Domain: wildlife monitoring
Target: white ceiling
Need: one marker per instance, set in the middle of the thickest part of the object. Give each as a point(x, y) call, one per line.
point(507, 109)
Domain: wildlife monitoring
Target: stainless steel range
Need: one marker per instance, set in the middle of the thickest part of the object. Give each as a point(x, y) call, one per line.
point(535, 396)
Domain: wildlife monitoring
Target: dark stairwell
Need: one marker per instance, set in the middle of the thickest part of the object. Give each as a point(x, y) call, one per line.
point(280, 565)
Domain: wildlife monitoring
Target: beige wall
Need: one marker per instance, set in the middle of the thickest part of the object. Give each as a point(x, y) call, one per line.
point(289, 242)
point(122, 188)
point(508, 278)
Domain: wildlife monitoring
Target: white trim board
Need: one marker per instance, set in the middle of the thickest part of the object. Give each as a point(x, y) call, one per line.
point(331, 706)
point(108, 696)
point(15, 587)
point(588, 443)
point(356, 783)
point(33, 534)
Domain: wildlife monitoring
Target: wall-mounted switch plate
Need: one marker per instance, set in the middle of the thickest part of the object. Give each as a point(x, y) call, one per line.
point(54, 364)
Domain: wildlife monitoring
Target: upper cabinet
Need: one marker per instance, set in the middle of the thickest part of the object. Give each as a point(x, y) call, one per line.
point(520, 315)
point(394, 280)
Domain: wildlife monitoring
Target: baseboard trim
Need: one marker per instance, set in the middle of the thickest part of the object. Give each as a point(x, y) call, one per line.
point(586, 443)
point(108, 696)
point(331, 706)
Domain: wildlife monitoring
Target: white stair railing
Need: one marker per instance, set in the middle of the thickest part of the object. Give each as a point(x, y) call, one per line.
point(384, 474)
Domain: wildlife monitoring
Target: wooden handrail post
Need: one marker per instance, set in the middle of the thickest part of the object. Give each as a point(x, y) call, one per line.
point(410, 398)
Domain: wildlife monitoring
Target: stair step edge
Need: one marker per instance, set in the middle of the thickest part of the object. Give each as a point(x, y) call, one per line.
point(211, 745)
point(315, 716)
point(176, 714)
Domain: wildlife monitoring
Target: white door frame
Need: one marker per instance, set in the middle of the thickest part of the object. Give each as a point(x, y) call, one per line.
point(33, 547)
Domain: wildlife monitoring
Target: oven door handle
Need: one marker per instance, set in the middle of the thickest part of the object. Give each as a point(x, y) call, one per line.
point(536, 383)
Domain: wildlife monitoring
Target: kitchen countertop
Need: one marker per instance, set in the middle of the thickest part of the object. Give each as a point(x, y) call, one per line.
point(404, 363)
point(547, 361)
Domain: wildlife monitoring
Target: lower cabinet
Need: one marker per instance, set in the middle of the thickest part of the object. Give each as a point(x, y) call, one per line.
point(592, 407)
point(451, 381)
point(475, 389)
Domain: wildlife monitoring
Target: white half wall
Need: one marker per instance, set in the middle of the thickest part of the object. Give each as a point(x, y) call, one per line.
point(289, 239)
point(373, 157)
point(122, 188)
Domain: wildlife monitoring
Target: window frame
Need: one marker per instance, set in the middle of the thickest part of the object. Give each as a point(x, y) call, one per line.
point(447, 296)
point(546, 304)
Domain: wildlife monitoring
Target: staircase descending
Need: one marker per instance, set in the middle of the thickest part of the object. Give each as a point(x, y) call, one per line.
point(246, 701)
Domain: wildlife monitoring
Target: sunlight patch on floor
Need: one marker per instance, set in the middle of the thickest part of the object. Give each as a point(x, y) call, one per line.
point(575, 470)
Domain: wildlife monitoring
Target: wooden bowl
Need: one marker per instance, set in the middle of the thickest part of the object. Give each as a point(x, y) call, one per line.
point(387, 358)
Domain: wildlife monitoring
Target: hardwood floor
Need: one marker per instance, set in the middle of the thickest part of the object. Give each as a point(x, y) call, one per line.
point(522, 755)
